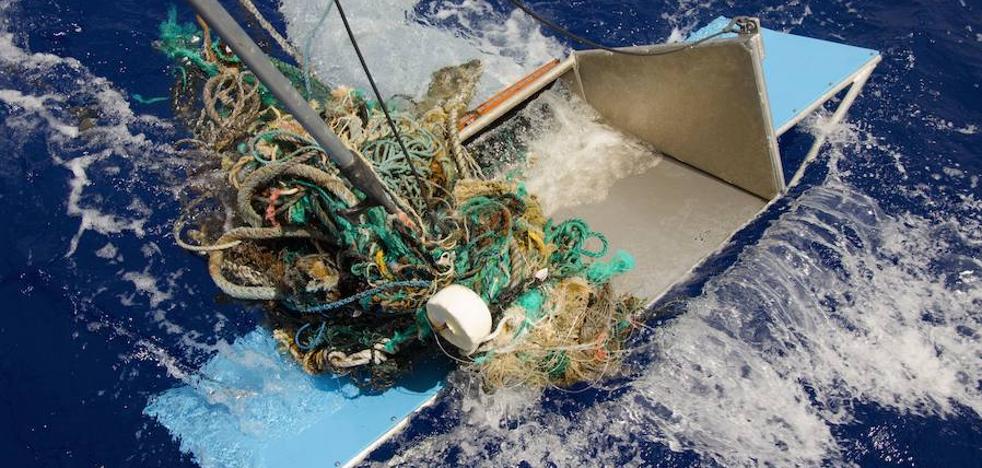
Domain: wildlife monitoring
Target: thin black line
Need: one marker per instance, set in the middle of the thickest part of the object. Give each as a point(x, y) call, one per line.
point(730, 28)
point(378, 96)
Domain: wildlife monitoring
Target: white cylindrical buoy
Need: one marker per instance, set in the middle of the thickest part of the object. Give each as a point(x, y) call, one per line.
point(460, 316)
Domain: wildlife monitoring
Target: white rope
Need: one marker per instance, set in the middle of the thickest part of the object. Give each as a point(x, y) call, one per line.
point(374, 355)
point(283, 43)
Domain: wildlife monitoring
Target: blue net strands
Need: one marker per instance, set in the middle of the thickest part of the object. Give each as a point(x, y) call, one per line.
point(361, 296)
point(347, 289)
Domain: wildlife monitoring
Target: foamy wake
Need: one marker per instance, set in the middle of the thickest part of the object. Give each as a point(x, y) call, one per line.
point(116, 175)
point(404, 43)
point(574, 157)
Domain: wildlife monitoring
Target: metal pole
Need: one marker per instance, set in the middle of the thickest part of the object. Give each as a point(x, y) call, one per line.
point(352, 166)
point(840, 112)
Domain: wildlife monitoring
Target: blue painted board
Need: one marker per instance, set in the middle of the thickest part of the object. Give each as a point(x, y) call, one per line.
point(250, 406)
point(799, 71)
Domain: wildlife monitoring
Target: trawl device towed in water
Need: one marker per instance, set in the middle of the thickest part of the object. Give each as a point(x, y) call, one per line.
point(714, 110)
point(359, 295)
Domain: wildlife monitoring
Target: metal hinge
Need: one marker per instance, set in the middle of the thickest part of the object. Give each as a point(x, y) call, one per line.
point(744, 25)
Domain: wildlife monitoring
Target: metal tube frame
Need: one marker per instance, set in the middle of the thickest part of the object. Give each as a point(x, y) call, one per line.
point(354, 168)
point(855, 84)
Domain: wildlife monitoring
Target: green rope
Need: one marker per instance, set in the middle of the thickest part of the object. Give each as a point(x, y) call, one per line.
point(571, 237)
point(153, 100)
point(177, 42)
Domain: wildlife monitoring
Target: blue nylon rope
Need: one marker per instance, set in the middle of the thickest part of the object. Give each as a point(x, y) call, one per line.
point(322, 308)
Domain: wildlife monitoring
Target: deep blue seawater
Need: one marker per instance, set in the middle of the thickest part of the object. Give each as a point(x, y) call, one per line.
point(102, 311)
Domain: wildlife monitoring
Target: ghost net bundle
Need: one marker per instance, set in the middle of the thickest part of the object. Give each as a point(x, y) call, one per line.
point(347, 287)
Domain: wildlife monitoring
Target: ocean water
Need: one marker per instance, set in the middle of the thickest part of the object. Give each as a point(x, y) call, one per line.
point(842, 327)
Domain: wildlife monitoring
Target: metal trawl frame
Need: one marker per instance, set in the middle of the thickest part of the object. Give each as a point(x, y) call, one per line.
point(342, 428)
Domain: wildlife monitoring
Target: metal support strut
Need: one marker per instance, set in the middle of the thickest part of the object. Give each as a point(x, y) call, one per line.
point(855, 87)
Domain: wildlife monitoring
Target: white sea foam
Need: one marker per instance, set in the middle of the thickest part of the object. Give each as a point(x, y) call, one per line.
point(942, 124)
point(404, 44)
point(109, 252)
point(574, 157)
point(580, 158)
point(28, 105)
point(92, 218)
point(111, 168)
point(146, 283)
point(111, 139)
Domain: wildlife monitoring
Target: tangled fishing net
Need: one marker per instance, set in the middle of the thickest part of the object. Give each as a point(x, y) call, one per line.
point(346, 287)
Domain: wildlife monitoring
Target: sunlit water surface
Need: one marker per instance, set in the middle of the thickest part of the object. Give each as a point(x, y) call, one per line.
point(842, 327)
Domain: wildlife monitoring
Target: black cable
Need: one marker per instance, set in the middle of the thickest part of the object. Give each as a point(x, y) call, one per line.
point(378, 96)
point(733, 27)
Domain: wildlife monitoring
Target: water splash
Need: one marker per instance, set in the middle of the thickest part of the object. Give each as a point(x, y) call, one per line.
point(574, 157)
point(404, 43)
point(108, 190)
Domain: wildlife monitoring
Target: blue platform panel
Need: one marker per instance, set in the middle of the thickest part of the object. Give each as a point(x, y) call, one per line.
point(252, 406)
point(799, 71)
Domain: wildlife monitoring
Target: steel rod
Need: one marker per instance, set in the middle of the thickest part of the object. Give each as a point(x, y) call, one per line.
point(351, 165)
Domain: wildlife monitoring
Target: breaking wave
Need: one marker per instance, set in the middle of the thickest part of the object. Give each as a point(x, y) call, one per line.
point(405, 42)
